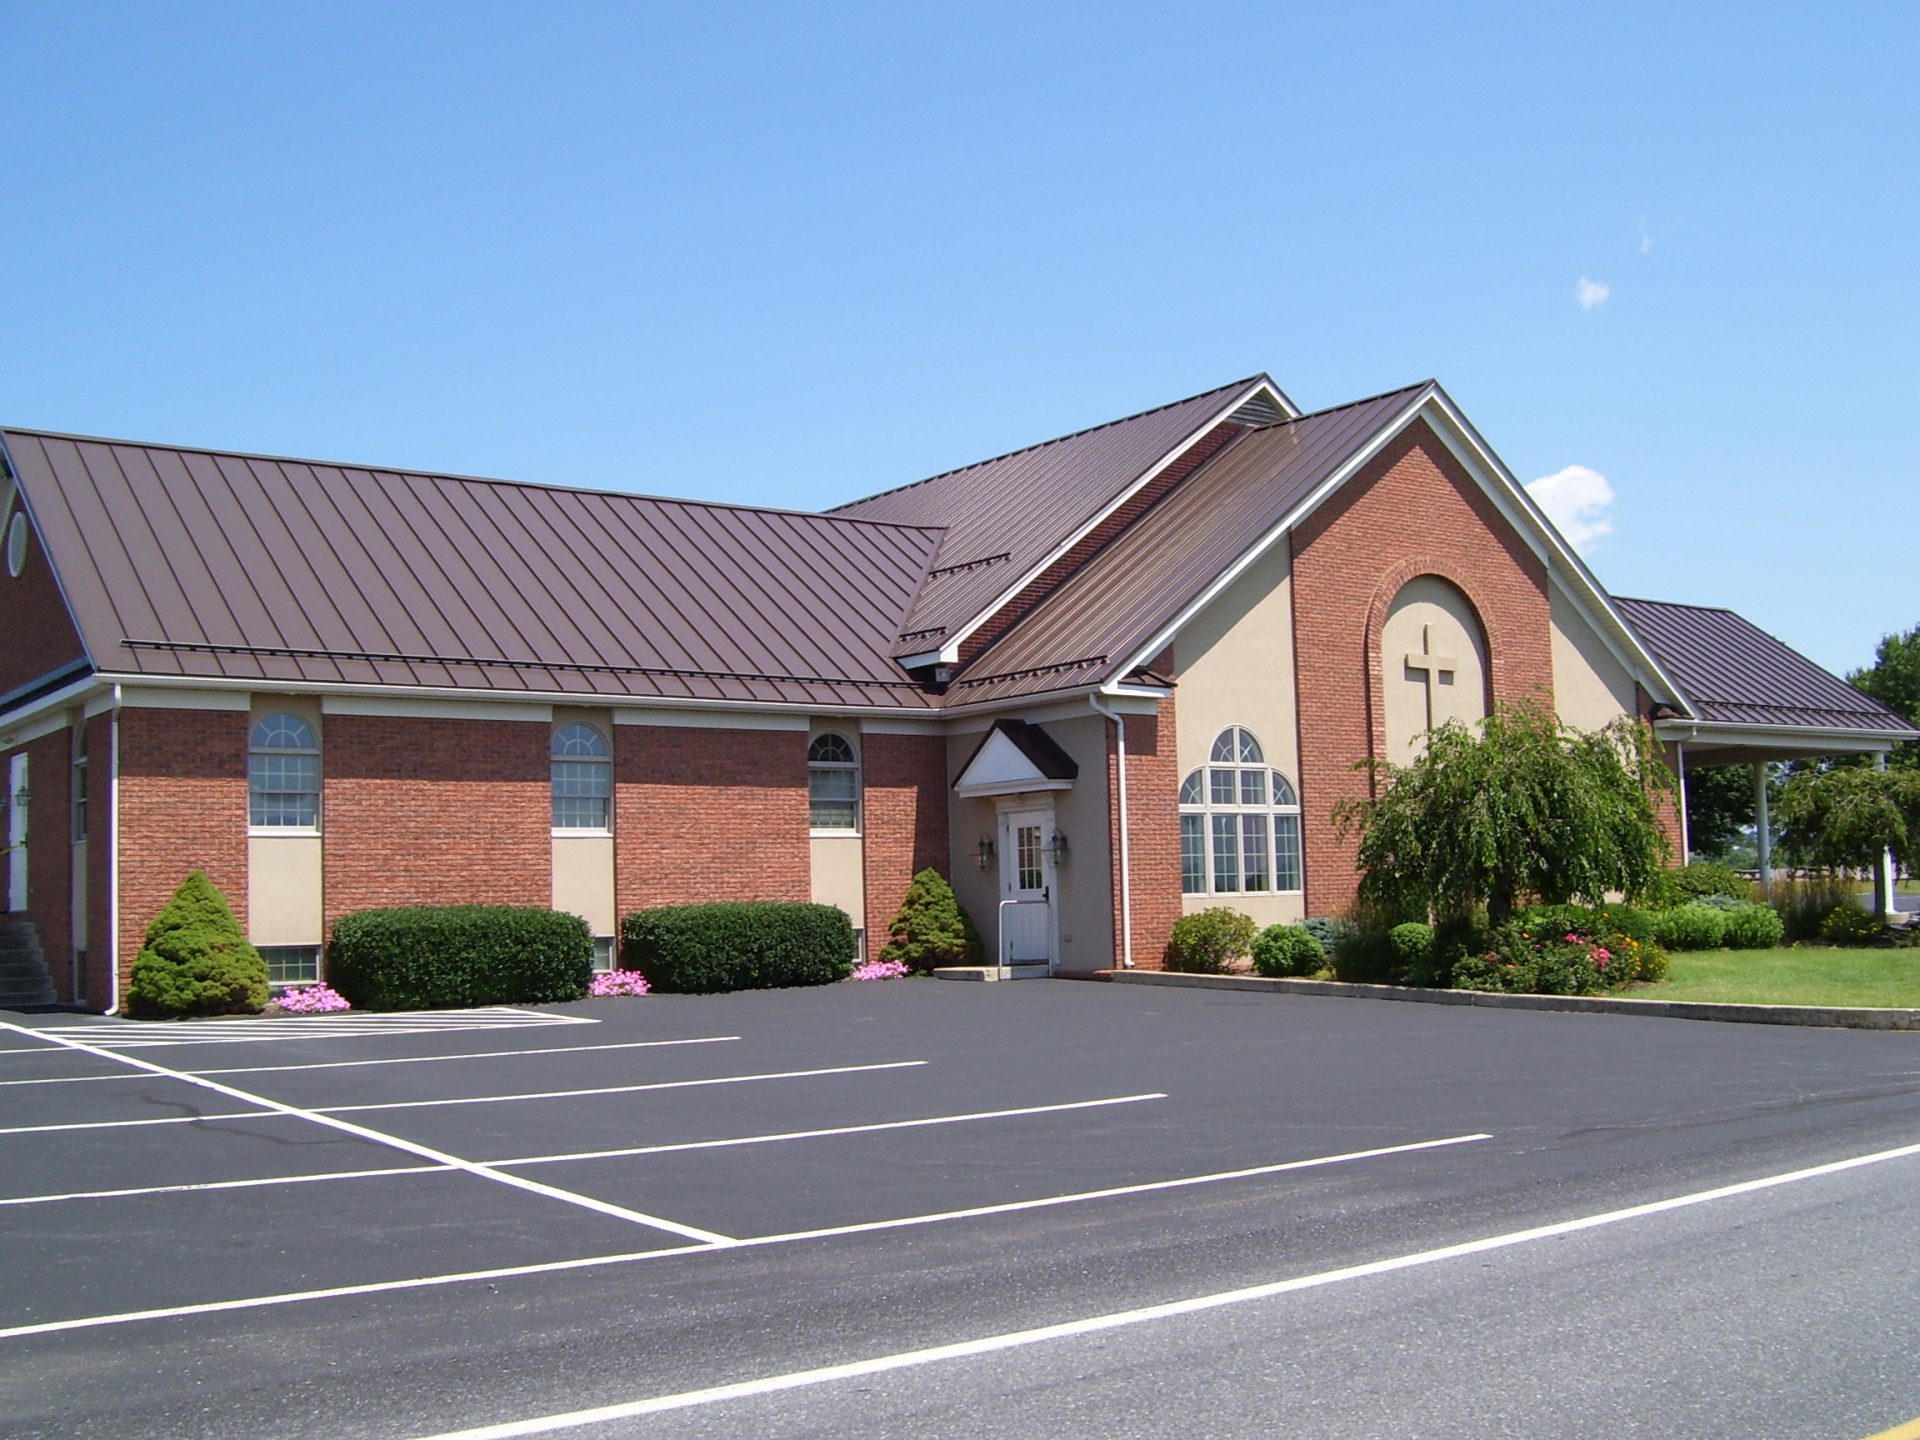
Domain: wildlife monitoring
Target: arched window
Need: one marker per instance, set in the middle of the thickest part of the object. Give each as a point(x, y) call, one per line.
point(283, 773)
point(833, 784)
point(1239, 823)
point(582, 779)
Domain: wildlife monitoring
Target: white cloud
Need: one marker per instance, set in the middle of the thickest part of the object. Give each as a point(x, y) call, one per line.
point(1576, 500)
point(1646, 236)
point(1591, 292)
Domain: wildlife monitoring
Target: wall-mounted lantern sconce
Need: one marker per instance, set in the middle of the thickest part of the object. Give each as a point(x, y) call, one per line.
point(986, 852)
point(22, 796)
point(1057, 847)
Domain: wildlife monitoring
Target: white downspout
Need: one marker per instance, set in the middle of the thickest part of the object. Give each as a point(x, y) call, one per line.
point(1126, 853)
point(1680, 774)
point(113, 857)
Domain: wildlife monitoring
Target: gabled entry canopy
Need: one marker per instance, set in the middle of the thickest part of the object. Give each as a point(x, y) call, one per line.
point(1016, 758)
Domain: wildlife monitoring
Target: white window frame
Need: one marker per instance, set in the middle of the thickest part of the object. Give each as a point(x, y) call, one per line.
point(604, 760)
point(318, 952)
point(834, 767)
point(77, 790)
point(254, 747)
point(1237, 753)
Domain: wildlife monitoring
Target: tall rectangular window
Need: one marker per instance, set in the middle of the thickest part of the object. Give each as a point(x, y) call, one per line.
point(1193, 854)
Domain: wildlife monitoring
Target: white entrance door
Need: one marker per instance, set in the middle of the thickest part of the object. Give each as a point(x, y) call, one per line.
point(16, 835)
point(1026, 887)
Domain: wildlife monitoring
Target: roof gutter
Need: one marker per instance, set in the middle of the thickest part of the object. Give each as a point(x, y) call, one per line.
point(1126, 858)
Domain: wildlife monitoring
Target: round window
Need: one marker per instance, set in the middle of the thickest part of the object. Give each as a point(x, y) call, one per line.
point(17, 546)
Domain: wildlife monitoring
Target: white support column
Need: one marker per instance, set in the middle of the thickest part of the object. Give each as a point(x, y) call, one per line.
point(1762, 827)
point(1883, 905)
point(1680, 774)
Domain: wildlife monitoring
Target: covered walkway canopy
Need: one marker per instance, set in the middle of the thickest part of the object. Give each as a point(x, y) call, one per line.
point(1747, 699)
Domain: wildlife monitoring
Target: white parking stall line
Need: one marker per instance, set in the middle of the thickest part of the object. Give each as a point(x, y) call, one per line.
point(464, 1055)
point(616, 1089)
point(149, 1034)
point(584, 1155)
point(410, 1147)
point(549, 1267)
point(392, 1060)
point(199, 1185)
point(276, 1110)
point(1123, 1319)
point(822, 1134)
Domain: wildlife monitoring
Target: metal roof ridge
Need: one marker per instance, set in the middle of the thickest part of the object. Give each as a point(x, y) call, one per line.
point(1351, 404)
point(1680, 605)
point(458, 478)
point(1056, 440)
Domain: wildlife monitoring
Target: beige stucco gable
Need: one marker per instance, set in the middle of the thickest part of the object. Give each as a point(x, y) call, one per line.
point(1590, 685)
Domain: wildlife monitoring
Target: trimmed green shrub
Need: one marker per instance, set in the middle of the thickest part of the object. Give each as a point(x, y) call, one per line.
point(1692, 926)
point(932, 928)
point(196, 960)
point(1753, 927)
point(1413, 954)
point(1850, 924)
point(1364, 956)
point(450, 957)
point(1696, 881)
point(1283, 950)
point(738, 945)
point(1202, 944)
point(1721, 902)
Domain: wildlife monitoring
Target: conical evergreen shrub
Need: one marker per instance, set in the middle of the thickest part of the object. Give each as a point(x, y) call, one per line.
point(932, 928)
point(196, 960)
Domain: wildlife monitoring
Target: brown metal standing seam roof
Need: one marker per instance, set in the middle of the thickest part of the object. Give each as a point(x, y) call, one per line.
point(1098, 620)
point(1734, 672)
point(191, 562)
point(1004, 516)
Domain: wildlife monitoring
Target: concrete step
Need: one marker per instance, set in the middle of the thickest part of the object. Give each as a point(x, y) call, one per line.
point(18, 997)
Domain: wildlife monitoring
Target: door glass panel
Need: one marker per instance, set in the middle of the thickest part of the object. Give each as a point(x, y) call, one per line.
point(1027, 853)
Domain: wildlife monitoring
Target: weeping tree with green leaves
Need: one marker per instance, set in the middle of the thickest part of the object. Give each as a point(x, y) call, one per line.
point(1843, 819)
point(1517, 806)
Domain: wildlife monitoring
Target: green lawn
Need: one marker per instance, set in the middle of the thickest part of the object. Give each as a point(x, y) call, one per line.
point(1877, 979)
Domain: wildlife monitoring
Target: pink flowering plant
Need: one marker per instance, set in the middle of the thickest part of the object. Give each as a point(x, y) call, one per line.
point(1563, 950)
point(880, 970)
point(609, 983)
point(312, 1000)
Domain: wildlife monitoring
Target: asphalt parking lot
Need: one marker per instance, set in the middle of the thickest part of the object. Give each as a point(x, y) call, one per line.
point(405, 1226)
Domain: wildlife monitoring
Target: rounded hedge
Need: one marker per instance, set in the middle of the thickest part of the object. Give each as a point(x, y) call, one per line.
point(738, 945)
point(1690, 927)
point(1754, 927)
point(1202, 944)
point(1280, 951)
point(449, 957)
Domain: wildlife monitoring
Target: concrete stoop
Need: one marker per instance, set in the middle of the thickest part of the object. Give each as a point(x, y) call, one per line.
point(24, 980)
point(1846, 1018)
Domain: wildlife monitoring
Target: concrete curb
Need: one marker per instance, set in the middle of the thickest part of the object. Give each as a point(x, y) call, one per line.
point(1849, 1019)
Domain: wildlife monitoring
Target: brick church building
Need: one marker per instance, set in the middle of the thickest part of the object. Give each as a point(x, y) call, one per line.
point(1096, 682)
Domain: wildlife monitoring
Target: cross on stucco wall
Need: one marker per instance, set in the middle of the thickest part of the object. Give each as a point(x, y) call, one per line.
point(1434, 666)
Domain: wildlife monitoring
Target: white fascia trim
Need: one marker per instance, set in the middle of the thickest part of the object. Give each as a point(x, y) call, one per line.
point(616, 703)
point(1587, 593)
point(1010, 787)
point(408, 707)
point(47, 722)
point(915, 661)
point(1732, 732)
point(1044, 704)
point(950, 651)
point(707, 720)
point(1306, 507)
point(59, 700)
point(902, 727)
point(137, 696)
point(978, 722)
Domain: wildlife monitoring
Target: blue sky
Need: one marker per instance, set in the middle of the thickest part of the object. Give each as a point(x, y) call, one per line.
point(789, 255)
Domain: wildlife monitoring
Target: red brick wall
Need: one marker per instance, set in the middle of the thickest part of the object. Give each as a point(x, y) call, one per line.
point(704, 815)
point(1153, 833)
point(1666, 809)
point(183, 807)
point(903, 821)
point(421, 811)
point(50, 852)
point(1413, 511)
point(1097, 539)
point(100, 935)
point(40, 634)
